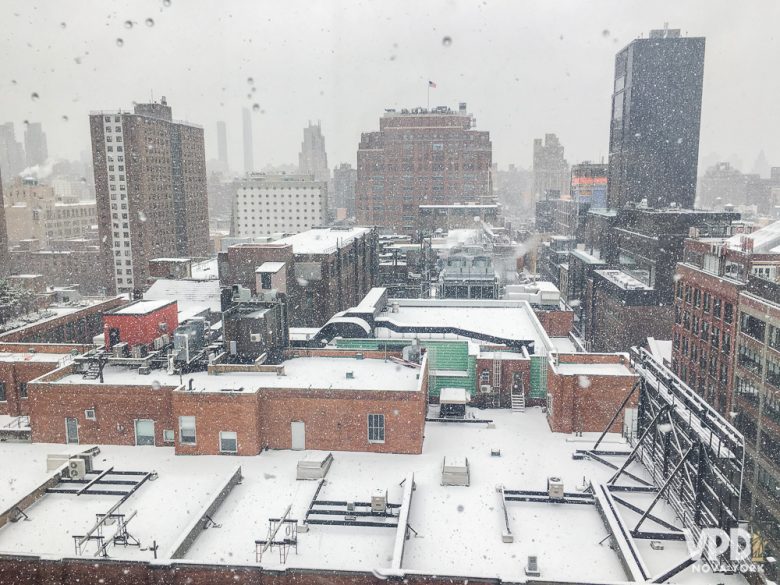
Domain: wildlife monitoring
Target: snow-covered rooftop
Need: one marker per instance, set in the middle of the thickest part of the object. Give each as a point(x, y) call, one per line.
point(191, 295)
point(205, 270)
point(322, 240)
point(765, 240)
point(593, 370)
point(457, 529)
point(270, 267)
point(503, 320)
point(144, 307)
point(314, 373)
point(38, 357)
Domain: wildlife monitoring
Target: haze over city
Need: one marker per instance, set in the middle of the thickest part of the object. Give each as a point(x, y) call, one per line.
point(523, 68)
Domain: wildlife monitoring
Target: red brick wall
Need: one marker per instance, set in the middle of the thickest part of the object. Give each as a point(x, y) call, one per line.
point(141, 329)
point(117, 407)
point(30, 570)
point(14, 373)
point(588, 407)
point(556, 323)
point(215, 412)
point(338, 420)
point(508, 368)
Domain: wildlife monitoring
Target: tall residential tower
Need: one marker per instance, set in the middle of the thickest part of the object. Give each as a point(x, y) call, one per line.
point(313, 160)
point(150, 184)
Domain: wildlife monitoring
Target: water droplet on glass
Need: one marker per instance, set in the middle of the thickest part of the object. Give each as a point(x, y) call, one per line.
point(63, 25)
point(34, 96)
point(605, 32)
point(84, 180)
point(250, 80)
point(256, 108)
point(120, 43)
point(64, 118)
point(149, 22)
point(141, 216)
point(446, 41)
point(77, 60)
point(13, 82)
point(166, 3)
point(128, 24)
point(26, 122)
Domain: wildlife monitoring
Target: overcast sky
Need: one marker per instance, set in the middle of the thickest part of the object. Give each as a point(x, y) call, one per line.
point(524, 68)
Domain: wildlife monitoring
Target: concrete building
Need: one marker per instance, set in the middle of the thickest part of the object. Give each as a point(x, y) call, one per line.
point(589, 185)
point(150, 182)
point(35, 212)
point(656, 114)
point(35, 145)
point(312, 159)
point(421, 157)
point(322, 271)
point(278, 204)
point(249, 153)
point(12, 160)
point(550, 169)
point(344, 182)
point(222, 149)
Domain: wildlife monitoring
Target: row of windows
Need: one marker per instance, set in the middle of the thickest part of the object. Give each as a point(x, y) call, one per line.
point(704, 300)
point(228, 440)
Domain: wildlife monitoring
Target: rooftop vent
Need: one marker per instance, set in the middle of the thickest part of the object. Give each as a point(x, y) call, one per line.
point(350, 375)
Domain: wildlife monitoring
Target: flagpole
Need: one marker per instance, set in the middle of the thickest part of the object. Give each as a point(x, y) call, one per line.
point(429, 96)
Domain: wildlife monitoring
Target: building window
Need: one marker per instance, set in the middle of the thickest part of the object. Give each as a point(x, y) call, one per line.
point(728, 312)
point(228, 442)
point(187, 430)
point(716, 308)
point(2, 391)
point(697, 298)
point(265, 279)
point(376, 428)
point(23, 390)
point(706, 302)
point(752, 326)
point(484, 376)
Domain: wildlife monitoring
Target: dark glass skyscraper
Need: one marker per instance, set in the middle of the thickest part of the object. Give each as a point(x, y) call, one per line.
point(656, 115)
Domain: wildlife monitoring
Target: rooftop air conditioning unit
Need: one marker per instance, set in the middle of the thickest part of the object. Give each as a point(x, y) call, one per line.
point(555, 488)
point(90, 414)
point(532, 568)
point(379, 501)
point(255, 337)
point(350, 375)
point(77, 469)
point(166, 339)
point(158, 343)
point(120, 349)
point(144, 370)
point(485, 388)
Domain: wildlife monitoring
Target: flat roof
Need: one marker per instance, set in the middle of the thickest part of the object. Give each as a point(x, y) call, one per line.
point(458, 529)
point(270, 267)
point(623, 280)
point(313, 373)
point(143, 307)
point(190, 295)
point(502, 319)
point(593, 370)
point(37, 357)
point(322, 241)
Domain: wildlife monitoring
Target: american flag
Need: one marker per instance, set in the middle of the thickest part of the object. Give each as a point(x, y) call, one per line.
point(431, 84)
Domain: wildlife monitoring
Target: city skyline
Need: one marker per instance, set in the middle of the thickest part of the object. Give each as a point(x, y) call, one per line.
point(336, 82)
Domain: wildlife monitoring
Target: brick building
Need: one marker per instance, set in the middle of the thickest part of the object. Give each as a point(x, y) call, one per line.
point(713, 273)
point(68, 325)
point(420, 157)
point(59, 267)
point(150, 184)
point(322, 271)
point(585, 391)
point(313, 402)
point(20, 363)
point(5, 261)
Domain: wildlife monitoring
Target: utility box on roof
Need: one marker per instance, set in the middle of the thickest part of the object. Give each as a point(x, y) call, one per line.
point(452, 402)
point(140, 323)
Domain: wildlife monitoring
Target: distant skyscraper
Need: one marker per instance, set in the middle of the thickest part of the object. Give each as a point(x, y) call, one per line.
point(150, 183)
point(551, 171)
point(11, 151)
point(313, 160)
point(35, 144)
point(656, 115)
point(5, 259)
point(420, 157)
point(344, 181)
point(222, 152)
point(249, 155)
